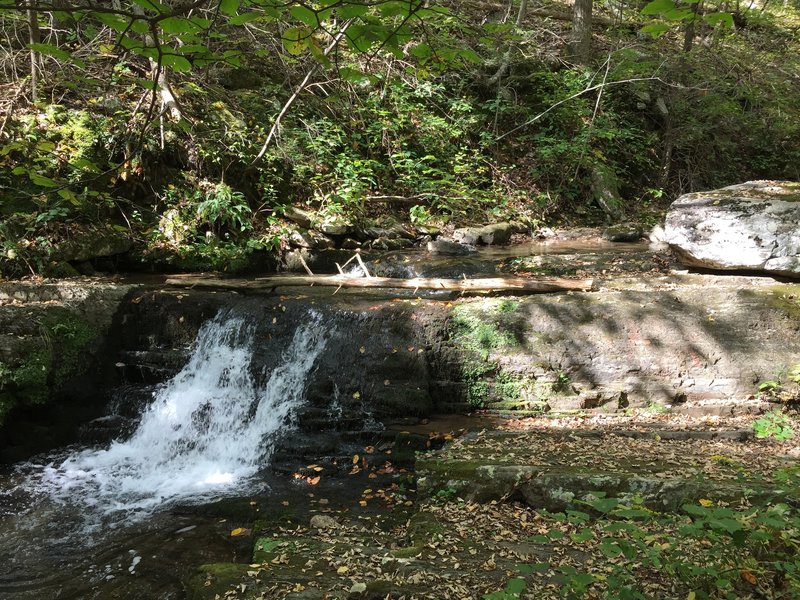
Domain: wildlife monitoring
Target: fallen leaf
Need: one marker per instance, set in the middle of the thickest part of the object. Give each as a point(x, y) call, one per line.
point(239, 531)
point(749, 577)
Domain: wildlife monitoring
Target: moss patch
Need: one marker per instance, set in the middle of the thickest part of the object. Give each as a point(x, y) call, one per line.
point(479, 330)
point(59, 353)
point(785, 298)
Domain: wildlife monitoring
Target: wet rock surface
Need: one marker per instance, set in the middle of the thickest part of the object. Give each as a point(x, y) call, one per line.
point(53, 344)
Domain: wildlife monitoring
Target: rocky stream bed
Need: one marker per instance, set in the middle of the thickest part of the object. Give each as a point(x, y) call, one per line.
point(557, 413)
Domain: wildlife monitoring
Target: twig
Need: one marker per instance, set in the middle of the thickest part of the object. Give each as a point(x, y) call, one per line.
point(363, 266)
point(303, 262)
point(594, 116)
point(303, 84)
point(586, 91)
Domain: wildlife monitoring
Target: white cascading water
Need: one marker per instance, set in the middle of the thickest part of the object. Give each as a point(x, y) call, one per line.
point(208, 430)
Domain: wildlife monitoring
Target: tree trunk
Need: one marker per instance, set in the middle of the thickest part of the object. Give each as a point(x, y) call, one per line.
point(689, 30)
point(521, 14)
point(169, 104)
point(582, 31)
point(465, 286)
point(34, 37)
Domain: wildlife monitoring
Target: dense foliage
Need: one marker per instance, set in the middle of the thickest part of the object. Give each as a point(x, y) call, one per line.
point(191, 130)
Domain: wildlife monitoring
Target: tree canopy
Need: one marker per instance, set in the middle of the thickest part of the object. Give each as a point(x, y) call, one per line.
point(194, 126)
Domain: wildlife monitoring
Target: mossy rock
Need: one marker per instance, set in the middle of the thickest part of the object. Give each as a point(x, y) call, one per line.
point(60, 352)
point(423, 527)
point(266, 549)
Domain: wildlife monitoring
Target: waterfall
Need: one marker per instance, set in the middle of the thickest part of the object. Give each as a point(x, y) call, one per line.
point(207, 431)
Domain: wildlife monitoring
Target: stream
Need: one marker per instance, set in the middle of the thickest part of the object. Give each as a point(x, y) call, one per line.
point(134, 517)
point(88, 522)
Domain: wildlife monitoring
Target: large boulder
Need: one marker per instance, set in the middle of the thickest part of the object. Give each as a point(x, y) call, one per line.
point(749, 226)
point(489, 235)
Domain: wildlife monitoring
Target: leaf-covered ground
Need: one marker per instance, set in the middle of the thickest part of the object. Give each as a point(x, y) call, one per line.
point(380, 543)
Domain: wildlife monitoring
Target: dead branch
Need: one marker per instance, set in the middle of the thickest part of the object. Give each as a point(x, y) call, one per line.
point(493, 284)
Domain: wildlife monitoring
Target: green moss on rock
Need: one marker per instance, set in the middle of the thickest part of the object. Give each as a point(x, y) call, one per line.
point(60, 353)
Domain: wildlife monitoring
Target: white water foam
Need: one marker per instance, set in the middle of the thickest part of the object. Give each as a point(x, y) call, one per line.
point(207, 431)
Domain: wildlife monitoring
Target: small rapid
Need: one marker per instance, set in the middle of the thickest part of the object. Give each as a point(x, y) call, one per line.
point(207, 431)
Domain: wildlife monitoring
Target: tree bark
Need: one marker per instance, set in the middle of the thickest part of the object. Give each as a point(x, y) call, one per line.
point(521, 14)
point(499, 284)
point(689, 30)
point(34, 37)
point(582, 31)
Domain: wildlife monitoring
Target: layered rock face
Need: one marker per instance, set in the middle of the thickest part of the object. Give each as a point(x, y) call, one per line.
point(752, 226)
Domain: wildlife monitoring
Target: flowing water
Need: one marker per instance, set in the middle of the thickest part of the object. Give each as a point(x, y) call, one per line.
point(74, 523)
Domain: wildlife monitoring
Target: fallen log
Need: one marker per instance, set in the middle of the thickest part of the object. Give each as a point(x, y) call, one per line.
point(492, 284)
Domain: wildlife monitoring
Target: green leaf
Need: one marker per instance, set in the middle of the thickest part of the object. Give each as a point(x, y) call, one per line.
point(603, 505)
point(470, 56)
point(584, 536)
point(516, 586)
point(610, 549)
point(295, 39)
point(350, 11)
point(658, 7)
point(728, 525)
point(577, 516)
point(680, 14)
point(621, 526)
point(354, 75)
point(86, 164)
point(421, 51)
point(19, 170)
point(41, 180)
point(693, 509)
point(228, 7)
point(177, 25)
point(719, 17)
point(69, 196)
point(147, 84)
point(115, 22)
point(195, 49)
point(306, 15)
point(179, 63)
point(359, 38)
point(632, 513)
point(55, 52)
point(393, 9)
point(656, 29)
point(152, 5)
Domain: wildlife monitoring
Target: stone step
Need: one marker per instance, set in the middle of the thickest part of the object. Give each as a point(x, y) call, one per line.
point(661, 468)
